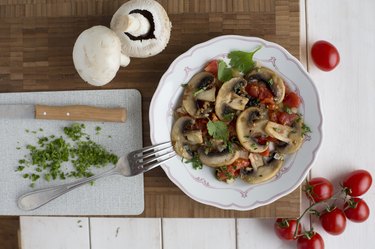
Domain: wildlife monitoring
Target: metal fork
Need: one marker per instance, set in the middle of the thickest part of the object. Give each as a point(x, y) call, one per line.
point(134, 163)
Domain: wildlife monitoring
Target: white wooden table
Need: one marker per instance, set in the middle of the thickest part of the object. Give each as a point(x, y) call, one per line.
point(348, 101)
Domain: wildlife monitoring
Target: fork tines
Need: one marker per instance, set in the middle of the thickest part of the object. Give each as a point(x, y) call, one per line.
point(151, 156)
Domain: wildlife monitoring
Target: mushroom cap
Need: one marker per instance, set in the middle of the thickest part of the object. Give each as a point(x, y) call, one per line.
point(218, 158)
point(250, 124)
point(264, 74)
point(263, 173)
point(180, 143)
point(189, 101)
point(224, 96)
point(97, 55)
point(143, 48)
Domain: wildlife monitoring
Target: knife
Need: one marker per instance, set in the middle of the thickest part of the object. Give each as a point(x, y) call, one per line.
point(68, 112)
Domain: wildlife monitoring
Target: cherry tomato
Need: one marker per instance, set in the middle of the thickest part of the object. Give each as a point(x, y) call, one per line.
point(285, 228)
point(356, 210)
point(319, 189)
point(357, 182)
point(292, 100)
point(333, 221)
point(265, 153)
point(252, 90)
point(211, 67)
point(325, 55)
point(313, 241)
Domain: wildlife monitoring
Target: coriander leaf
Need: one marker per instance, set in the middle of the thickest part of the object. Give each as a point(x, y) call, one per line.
point(305, 129)
point(224, 73)
point(196, 162)
point(218, 130)
point(242, 61)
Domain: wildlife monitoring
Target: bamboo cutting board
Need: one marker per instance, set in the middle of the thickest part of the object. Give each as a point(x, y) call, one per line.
point(36, 41)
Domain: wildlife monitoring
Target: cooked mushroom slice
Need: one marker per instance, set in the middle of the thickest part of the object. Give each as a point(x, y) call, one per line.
point(198, 84)
point(218, 158)
point(183, 137)
point(278, 131)
point(228, 101)
point(143, 27)
point(249, 126)
point(273, 81)
point(256, 160)
point(295, 139)
point(262, 173)
point(207, 95)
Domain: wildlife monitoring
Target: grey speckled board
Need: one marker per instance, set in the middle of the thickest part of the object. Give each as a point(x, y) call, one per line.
point(113, 195)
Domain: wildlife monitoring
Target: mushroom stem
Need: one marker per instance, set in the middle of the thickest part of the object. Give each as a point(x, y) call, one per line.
point(134, 24)
point(124, 60)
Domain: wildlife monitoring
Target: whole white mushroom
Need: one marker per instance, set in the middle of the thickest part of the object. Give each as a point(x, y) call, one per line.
point(143, 27)
point(97, 55)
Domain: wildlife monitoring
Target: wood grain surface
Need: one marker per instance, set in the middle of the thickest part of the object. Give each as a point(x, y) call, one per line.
point(36, 41)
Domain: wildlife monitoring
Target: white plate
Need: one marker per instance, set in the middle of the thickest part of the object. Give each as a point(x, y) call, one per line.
point(201, 185)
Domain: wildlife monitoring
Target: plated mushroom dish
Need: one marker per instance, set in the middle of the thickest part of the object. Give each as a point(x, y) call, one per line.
point(239, 118)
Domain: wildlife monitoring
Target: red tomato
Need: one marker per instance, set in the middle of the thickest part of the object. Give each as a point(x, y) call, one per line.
point(285, 118)
point(356, 210)
point(232, 171)
point(357, 182)
point(314, 241)
point(252, 90)
point(333, 221)
point(211, 67)
point(266, 152)
point(241, 163)
point(292, 100)
point(319, 189)
point(273, 116)
point(325, 55)
point(285, 228)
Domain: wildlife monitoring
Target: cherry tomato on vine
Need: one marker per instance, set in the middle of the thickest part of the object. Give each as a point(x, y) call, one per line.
point(313, 241)
point(333, 221)
point(319, 189)
point(357, 182)
point(325, 55)
point(356, 210)
point(285, 228)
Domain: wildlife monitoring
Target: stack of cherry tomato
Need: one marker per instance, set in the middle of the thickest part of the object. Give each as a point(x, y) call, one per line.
point(332, 217)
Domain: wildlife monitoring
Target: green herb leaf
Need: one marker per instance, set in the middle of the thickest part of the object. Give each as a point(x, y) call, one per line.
point(242, 61)
point(224, 73)
point(218, 130)
point(196, 162)
point(305, 129)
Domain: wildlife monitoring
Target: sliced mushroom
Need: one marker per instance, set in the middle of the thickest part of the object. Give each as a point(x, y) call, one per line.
point(250, 125)
point(228, 101)
point(256, 160)
point(218, 158)
point(262, 173)
point(273, 81)
point(207, 95)
point(180, 137)
point(278, 131)
point(197, 83)
point(295, 137)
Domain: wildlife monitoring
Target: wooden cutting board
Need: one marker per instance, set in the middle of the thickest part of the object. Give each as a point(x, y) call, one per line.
point(36, 41)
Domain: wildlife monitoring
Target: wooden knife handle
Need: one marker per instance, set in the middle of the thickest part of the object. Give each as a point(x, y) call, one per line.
point(80, 113)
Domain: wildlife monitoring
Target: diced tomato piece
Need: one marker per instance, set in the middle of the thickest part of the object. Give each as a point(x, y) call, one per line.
point(265, 153)
point(211, 67)
point(273, 116)
point(252, 90)
point(292, 100)
point(264, 93)
point(201, 124)
point(285, 118)
point(241, 163)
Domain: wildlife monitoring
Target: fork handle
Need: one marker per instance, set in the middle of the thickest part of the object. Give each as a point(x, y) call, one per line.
point(38, 198)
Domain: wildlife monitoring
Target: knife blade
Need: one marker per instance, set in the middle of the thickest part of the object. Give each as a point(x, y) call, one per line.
point(68, 112)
